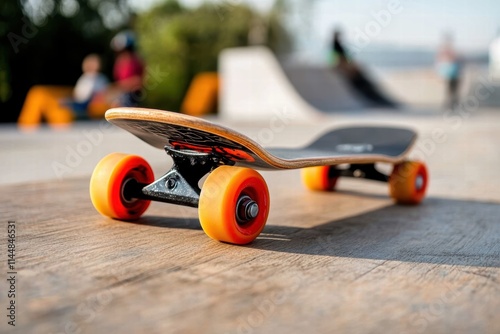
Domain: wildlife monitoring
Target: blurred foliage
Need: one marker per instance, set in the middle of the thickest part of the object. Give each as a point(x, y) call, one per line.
point(178, 42)
point(279, 39)
point(44, 42)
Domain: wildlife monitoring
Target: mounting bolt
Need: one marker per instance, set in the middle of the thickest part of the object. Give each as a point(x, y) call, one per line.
point(252, 210)
point(171, 183)
point(358, 173)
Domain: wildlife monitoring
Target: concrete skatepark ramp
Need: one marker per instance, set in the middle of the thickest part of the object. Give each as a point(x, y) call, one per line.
point(323, 88)
point(255, 86)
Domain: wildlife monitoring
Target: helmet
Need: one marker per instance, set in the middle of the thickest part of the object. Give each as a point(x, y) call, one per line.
point(124, 40)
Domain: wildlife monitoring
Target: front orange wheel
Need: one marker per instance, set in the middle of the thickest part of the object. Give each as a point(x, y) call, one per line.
point(319, 178)
point(234, 205)
point(111, 176)
point(408, 182)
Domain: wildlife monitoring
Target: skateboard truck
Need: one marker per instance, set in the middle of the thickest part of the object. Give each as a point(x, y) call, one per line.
point(360, 171)
point(180, 184)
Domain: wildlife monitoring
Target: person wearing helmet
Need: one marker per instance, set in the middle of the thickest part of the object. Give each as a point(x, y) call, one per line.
point(128, 70)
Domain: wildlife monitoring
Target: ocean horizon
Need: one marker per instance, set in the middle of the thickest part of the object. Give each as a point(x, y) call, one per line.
point(386, 57)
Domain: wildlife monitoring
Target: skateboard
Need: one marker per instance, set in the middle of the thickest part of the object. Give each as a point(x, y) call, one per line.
point(233, 201)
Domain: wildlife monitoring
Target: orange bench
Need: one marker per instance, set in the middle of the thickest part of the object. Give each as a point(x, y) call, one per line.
point(44, 103)
point(202, 95)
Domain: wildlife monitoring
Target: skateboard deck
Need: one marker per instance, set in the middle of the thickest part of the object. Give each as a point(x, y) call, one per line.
point(354, 145)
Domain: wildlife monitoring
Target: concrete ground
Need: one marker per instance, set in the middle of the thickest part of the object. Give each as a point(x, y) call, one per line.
point(348, 261)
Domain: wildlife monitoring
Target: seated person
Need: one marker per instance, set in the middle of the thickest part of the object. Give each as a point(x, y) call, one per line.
point(92, 96)
point(60, 104)
point(88, 85)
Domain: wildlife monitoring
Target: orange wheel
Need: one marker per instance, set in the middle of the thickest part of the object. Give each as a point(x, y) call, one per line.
point(408, 182)
point(108, 182)
point(234, 205)
point(319, 178)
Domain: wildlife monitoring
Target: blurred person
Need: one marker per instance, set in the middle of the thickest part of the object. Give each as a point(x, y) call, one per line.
point(449, 67)
point(91, 83)
point(338, 50)
point(128, 70)
point(59, 105)
point(353, 73)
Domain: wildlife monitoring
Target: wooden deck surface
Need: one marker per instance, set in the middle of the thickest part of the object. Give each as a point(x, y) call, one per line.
point(346, 262)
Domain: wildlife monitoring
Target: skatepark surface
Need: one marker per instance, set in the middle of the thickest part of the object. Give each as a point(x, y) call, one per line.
point(348, 261)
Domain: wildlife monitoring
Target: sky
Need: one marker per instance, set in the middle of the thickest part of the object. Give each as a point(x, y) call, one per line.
point(410, 23)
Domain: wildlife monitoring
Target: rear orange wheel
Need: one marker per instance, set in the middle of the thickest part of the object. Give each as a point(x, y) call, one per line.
point(109, 180)
point(234, 205)
point(319, 178)
point(408, 182)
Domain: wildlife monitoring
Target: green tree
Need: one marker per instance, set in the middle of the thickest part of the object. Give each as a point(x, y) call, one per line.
point(183, 42)
point(44, 42)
